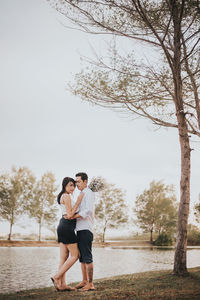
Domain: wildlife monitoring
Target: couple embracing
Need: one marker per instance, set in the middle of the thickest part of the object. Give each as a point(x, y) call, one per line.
point(76, 216)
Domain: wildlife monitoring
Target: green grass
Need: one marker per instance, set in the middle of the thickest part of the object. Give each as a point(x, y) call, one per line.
point(149, 285)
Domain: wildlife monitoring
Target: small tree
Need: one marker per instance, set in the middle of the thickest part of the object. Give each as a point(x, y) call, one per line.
point(167, 220)
point(41, 207)
point(163, 240)
point(193, 235)
point(111, 209)
point(15, 190)
point(156, 209)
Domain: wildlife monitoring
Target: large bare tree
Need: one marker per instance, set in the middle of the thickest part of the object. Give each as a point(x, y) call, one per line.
point(163, 89)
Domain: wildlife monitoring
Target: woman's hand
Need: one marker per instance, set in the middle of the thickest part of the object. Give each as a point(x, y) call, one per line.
point(68, 216)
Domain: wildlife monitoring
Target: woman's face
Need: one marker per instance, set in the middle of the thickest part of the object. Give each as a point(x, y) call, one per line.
point(70, 187)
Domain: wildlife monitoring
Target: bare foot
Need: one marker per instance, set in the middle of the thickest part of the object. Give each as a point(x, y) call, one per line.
point(88, 287)
point(67, 288)
point(81, 284)
point(56, 283)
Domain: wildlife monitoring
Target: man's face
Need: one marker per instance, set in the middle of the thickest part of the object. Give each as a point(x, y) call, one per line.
point(80, 183)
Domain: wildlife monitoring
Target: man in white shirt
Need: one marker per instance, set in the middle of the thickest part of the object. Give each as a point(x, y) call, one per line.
point(84, 228)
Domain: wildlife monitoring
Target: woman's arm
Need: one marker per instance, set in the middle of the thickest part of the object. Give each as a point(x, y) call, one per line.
point(67, 200)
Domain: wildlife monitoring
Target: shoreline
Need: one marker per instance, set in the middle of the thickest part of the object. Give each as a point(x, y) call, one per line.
point(152, 285)
point(15, 243)
point(129, 244)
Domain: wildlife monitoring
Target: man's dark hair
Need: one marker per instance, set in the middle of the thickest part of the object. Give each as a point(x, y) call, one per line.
point(82, 175)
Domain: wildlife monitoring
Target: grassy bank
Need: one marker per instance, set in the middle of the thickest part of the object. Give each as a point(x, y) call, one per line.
point(13, 243)
point(149, 285)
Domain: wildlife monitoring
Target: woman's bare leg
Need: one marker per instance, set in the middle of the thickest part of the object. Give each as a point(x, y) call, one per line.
point(64, 253)
point(74, 255)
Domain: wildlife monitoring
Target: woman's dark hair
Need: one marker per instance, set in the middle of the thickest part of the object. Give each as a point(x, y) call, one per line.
point(65, 182)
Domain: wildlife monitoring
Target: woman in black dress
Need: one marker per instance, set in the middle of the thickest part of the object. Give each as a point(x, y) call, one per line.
point(66, 235)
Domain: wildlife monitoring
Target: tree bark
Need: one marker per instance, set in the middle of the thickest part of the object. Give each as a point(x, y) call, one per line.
point(10, 233)
point(180, 266)
point(104, 232)
point(180, 263)
point(39, 236)
point(11, 225)
point(151, 236)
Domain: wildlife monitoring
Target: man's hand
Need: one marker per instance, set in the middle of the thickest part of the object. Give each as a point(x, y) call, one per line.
point(66, 217)
point(71, 218)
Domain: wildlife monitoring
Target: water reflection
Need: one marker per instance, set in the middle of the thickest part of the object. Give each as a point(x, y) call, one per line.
point(26, 268)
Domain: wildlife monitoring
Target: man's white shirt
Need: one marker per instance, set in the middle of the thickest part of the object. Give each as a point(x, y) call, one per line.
point(86, 211)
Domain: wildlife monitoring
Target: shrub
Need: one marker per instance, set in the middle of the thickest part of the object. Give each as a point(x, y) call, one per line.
point(163, 240)
point(50, 238)
point(193, 235)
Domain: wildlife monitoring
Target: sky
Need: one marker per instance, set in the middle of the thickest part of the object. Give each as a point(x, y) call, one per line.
point(44, 127)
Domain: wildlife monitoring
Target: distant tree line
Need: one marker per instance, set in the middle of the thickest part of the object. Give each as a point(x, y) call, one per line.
point(156, 208)
point(156, 211)
point(22, 194)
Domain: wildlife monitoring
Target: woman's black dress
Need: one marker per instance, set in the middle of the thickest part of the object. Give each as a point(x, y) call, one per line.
point(65, 231)
point(66, 228)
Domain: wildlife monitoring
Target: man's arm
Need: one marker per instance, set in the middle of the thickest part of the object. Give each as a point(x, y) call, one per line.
point(76, 205)
point(71, 211)
point(87, 210)
point(73, 217)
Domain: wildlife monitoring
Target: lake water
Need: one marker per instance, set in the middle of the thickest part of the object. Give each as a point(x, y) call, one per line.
point(27, 268)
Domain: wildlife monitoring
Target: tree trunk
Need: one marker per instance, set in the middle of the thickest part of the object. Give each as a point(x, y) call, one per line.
point(10, 233)
point(180, 265)
point(39, 236)
point(159, 231)
point(104, 232)
point(151, 236)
